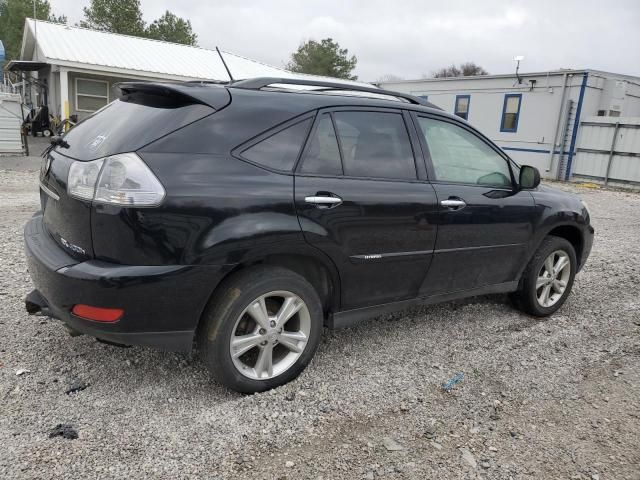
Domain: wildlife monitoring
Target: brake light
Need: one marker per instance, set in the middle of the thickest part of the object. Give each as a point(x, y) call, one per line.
point(97, 314)
point(122, 179)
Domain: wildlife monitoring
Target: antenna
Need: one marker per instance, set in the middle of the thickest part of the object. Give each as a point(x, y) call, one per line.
point(35, 29)
point(518, 59)
point(225, 65)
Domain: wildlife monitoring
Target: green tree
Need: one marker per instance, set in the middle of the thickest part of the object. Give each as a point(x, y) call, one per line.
point(468, 69)
point(12, 16)
point(171, 28)
point(323, 58)
point(116, 16)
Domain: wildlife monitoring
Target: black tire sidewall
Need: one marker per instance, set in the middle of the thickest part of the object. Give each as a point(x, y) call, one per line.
point(528, 293)
point(225, 309)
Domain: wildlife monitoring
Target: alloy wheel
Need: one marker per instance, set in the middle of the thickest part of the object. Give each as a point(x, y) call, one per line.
point(553, 278)
point(270, 335)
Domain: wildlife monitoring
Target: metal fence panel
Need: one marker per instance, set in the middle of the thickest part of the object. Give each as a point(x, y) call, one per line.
point(609, 149)
point(10, 123)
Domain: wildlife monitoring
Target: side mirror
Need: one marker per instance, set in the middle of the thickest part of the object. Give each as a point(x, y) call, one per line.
point(529, 177)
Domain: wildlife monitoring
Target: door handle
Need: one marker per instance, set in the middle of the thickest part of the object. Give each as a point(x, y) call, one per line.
point(323, 201)
point(454, 203)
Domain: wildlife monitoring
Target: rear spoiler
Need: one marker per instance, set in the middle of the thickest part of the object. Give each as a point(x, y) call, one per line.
point(213, 96)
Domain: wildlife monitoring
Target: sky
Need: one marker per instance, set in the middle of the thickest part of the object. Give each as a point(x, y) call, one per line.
point(413, 38)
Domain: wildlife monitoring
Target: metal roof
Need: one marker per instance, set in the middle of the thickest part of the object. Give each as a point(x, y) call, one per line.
point(123, 54)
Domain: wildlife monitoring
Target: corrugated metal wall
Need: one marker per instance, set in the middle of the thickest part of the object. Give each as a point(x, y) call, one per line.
point(609, 149)
point(10, 123)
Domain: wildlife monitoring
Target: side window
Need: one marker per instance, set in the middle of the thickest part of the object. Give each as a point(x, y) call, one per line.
point(323, 155)
point(279, 151)
point(375, 144)
point(462, 106)
point(460, 156)
point(510, 112)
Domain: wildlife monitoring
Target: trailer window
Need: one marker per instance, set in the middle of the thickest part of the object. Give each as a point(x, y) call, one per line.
point(510, 112)
point(462, 106)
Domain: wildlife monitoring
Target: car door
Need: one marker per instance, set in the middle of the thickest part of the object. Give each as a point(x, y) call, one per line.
point(362, 198)
point(485, 221)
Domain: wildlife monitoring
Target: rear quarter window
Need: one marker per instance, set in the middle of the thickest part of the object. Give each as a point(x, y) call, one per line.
point(280, 150)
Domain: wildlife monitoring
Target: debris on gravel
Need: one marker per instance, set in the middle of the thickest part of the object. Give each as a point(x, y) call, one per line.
point(391, 445)
point(452, 382)
point(468, 457)
point(162, 417)
point(63, 430)
point(77, 385)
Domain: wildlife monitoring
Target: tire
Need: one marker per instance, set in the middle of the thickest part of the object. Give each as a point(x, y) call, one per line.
point(233, 311)
point(528, 297)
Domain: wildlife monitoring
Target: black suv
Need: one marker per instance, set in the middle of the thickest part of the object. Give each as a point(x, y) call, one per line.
point(243, 218)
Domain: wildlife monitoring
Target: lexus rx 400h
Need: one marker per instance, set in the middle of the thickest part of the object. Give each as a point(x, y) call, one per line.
point(241, 219)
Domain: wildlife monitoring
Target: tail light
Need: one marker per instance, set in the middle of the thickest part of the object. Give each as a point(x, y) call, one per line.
point(122, 179)
point(97, 314)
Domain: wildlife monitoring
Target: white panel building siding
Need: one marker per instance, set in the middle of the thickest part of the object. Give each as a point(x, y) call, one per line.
point(546, 113)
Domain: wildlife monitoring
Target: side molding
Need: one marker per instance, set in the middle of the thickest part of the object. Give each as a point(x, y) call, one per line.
point(348, 318)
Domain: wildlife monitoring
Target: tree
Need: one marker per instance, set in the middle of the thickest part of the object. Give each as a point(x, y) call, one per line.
point(172, 29)
point(389, 77)
point(323, 58)
point(12, 16)
point(468, 69)
point(116, 16)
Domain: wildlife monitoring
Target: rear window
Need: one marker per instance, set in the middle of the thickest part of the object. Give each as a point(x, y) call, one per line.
point(129, 124)
point(280, 150)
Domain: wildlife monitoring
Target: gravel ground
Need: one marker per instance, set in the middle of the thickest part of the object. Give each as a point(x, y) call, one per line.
point(556, 398)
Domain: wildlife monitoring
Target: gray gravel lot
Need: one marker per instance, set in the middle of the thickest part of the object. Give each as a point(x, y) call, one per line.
point(557, 398)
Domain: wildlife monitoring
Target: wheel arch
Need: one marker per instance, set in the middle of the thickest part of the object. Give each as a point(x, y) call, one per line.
point(569, 231)
point(320, 272)
point(572, 234)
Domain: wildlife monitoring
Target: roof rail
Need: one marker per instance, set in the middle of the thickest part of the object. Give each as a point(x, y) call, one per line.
point(261, 82)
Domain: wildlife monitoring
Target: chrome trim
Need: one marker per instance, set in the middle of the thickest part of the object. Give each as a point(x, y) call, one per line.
point(453, 203)
point(323, 200)
point(49, 192)
point(378, 256)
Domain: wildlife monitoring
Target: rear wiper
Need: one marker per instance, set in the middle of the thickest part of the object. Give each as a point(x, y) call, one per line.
point(56, 141)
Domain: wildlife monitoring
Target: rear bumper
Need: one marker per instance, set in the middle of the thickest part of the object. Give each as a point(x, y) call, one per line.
point(162, 304)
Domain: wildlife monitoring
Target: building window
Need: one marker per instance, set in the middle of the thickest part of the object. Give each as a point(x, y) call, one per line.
point(91, 95)
point(462, 106)
point(511, 112)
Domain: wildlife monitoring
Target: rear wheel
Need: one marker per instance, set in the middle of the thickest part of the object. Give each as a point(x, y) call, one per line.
point(547, 280)
point(261, 329)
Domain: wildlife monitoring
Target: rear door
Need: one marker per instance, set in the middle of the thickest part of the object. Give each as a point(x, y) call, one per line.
point(362, 198)
point(485, 222)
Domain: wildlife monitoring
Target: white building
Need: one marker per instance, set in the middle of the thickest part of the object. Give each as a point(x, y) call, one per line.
point(533, 116)
point(77, 68)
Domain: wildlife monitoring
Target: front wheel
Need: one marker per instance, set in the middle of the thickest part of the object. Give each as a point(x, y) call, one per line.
point(547, 280)
point(261, 329)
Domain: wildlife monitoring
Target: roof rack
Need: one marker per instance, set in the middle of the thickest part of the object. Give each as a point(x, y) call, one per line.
point(261, 82)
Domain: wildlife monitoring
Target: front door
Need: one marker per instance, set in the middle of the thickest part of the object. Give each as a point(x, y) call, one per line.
point(362, 199)
point(484, 223)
